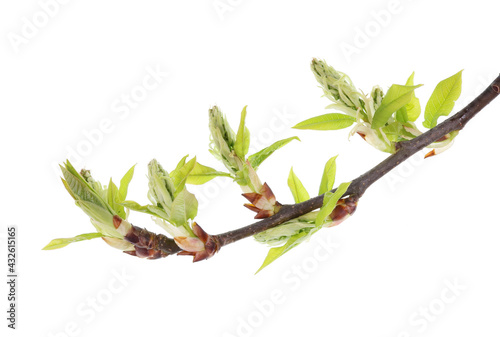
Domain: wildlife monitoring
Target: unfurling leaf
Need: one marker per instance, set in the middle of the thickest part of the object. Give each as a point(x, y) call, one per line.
point(184, 207)
point(402, 115)
point(397, 96)
point(124, 182)
point(280, 234)
point(337, 86)
point(242, 142)
point(443, 99)
point(329, 202)
point(201, 174)
point(331, 121)
point(299, 192)
point(393, 131)
point(148, 209)
point(80, 189)
point(328, 178)
point(180, 174)
point(257, 158)
point(413, 107)
point(60, 243)
point(275, 253)
point(161, 187)
point(222, 139)
point(113, 198)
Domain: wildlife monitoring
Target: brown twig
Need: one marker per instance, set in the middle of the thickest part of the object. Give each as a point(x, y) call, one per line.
point(359, 185)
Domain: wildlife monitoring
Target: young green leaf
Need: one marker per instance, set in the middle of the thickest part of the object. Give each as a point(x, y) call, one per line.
point(397, 96)
point(413, 107)
point(402, 115)
point(329, 202)
point(180, 164)
point(158, 212)
point(257, 158)
point(180, 174)
point(242, 142)
point(331, 121)
point(184, 207)
point(78, 188)
point(328, 178)
point(275, 253)
point(443, 99)
point(393, 131)
point(124, 182)
point(298, 190)
point(113, 198)
point(148, 209)
point(201, 174)
point(60, 243)
point(100, 215)
point(68, 168)
point(161, 186)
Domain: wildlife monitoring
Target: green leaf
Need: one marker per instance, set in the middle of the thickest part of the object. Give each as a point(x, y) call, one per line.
point(299, 192)
point(161, 185)
point(397, 96)
point(331, 121)
point(148, 209)
point(257, 158)
point(393, 131)
point(181, 163)
point(99, 214)
point(275, 253)
point(328, 178)
point(242, 142)
point(413, 107)
point(402, 115)
point(113, 198)
point(124, 182)
point(180, 175)
point(184, 207)
point(201, 174)
point(329, 202)
point(158, 211)
point(79, 189)
point(60, 243)
point(443, 99)
point(134, 206)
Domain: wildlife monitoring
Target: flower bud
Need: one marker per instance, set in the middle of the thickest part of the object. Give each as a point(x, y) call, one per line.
point(344, 209)
point(263, 203)
point(222, 139)
point(203, 246)
point(337, 86)
point(161, 188)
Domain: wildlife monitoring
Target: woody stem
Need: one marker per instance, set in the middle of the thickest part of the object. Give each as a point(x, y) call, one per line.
point(360, 185)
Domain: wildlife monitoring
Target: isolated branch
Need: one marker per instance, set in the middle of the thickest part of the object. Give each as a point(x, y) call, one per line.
point(173, 205)
point(359, 185)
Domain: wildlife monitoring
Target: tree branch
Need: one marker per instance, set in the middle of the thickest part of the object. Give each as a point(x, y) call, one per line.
point(161, 246)
point(360, 184)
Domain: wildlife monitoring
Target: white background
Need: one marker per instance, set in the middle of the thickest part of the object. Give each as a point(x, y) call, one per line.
point(427, 225)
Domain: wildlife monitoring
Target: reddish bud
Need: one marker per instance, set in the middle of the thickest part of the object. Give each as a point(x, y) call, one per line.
point(344, 209)
point(263, 203)
point(202, 247)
